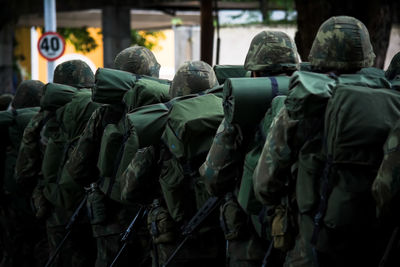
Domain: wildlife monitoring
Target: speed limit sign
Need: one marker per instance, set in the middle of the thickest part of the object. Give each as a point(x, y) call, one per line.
point(51, 45)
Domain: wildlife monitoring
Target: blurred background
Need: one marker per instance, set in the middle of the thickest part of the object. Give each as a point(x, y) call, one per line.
point(218, 32)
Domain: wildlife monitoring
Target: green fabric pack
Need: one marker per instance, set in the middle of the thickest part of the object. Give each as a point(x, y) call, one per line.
point(192, 124)
point(257, 93)
point(147, 91)
point(224, 72)
point(56, 95)
point(246, 197)
point(59, 188)
point(358, 119)
point(111, 85)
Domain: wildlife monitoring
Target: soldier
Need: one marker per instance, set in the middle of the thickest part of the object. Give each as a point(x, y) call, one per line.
point(22, 232)
point(337, 226)
point(192, 77)
point(42, 128)
point(82, 164)
point(270, 54)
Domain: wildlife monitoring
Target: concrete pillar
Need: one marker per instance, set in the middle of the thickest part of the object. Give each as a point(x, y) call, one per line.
point(116, 28)
point(187, 44)
point(6, 53)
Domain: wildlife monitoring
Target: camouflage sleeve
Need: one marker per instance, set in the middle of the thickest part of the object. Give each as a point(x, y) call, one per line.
point(82, 163)
point(224, 162)
point(28, 164)
point(138, 175)
point(386, 186)
point(275, 160)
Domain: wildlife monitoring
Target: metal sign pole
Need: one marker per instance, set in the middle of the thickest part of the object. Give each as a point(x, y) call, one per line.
point(50, 25)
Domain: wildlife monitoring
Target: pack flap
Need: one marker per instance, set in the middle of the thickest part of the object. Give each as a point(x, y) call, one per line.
point(192, 124)
point(56, 95)
point(242, 93)
point(111, 85)
point(147, 91)
point(224, 72)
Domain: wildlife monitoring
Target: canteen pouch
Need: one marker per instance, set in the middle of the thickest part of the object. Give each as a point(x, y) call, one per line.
point(282, 230)
point(232, 219)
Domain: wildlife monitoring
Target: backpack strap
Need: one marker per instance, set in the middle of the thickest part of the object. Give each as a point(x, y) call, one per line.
point(274, 86)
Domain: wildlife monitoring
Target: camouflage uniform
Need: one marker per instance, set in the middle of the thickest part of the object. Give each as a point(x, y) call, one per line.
point(294, 148)
point(82, 166)
point(270, 53)
point(44, 129)
point(141, 179)
point(24, 239)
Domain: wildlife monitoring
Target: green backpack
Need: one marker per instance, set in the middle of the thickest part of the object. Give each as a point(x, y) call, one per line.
point(188, 135)
point(59, 188)
point(111, 87)
point(257, 93)
point(358, 106)
point(246, 197)
point(56, 95)
point(223, 72)
point(119, 143)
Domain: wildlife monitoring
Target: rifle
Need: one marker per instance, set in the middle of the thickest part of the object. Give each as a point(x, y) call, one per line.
point(194, 223)
point(390, 247)
point(140, 215)
point(68, 228)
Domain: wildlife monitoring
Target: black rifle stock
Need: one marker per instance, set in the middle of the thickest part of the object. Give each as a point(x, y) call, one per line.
point(194, 223)
point(141, 214)
point(68, 228)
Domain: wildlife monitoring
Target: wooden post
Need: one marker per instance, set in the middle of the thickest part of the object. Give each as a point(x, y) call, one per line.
point(207, 32)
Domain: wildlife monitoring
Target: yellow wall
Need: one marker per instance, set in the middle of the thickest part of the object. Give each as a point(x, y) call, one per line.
point(22, 36)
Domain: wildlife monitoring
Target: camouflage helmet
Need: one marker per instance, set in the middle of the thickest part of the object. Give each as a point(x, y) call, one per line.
point(28, 94)
point(137, 60)
point(5, 100)
point(394, 67)
point(342, 43)
point(74, 73)
point(272, 52)
point(192, 77)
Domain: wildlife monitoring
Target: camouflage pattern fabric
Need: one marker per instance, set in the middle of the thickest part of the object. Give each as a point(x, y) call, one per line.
point(74, 73)
point(137, 60)
point(28, 165)
point(5, 100)
point(222, 165)
point(273, 52)
point(342, 43)
point(28, 94)
point(394, 67)
point(192, 77)
point(275, 160)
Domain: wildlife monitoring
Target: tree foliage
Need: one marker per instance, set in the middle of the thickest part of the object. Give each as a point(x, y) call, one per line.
point(80, 38)
point(148, 39)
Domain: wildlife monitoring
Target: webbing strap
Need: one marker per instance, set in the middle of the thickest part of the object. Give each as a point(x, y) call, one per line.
point(275, 86)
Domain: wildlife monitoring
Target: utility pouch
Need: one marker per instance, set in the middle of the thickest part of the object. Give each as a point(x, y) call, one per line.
point(282, 229)
point(160, 224)
point(96, 205)
point(233, 219)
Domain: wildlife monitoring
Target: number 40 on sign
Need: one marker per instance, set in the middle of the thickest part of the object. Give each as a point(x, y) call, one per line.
point(51, 45)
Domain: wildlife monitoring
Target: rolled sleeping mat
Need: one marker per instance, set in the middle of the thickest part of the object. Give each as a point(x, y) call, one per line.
point(246, 100)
